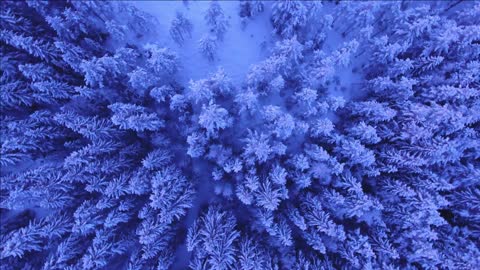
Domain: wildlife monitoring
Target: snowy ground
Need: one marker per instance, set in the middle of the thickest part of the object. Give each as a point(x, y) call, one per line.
point(240, 48)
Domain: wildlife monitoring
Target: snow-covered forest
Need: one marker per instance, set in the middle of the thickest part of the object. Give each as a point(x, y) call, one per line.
point(240, 135)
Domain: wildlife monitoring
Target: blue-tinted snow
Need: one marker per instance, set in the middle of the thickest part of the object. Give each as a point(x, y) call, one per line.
point(241, 47)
